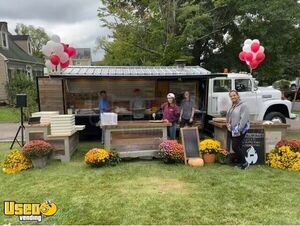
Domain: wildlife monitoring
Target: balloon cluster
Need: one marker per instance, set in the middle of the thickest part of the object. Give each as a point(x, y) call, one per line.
point(253, 53)
point(58, 53)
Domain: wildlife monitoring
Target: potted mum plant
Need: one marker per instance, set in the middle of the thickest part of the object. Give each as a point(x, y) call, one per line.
point(38, 151)
point(209, 148)
point(98, 157)
point(170, 151)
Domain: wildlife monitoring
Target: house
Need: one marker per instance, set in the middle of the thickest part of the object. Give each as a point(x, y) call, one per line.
point(82, 58)
point(16, 57)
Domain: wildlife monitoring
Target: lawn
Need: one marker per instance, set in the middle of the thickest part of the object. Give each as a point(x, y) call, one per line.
point(9, 114)
point(150, 192)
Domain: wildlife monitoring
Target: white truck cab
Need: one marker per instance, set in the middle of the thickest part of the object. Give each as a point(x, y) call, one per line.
point(264, 103)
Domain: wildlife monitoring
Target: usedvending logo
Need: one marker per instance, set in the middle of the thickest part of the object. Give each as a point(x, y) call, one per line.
point(29, 211)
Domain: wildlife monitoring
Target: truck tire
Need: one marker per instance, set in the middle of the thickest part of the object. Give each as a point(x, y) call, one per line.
point(275, 115)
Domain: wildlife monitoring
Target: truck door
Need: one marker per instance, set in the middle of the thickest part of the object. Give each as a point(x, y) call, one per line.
point(218, 99)
point(246, 90)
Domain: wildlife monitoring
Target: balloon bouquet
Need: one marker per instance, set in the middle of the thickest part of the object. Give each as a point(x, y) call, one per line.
point(58, 54)
point(252, 54)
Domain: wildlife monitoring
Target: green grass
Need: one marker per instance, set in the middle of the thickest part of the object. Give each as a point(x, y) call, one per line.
point(150, 192)
point(9, 114)
point(293, 135)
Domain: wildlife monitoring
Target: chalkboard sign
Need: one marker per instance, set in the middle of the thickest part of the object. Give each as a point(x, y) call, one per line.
point(190, 142)
point(254, 146)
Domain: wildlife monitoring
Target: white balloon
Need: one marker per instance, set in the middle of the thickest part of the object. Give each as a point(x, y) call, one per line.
point(247, 48)
point(64, 57)
point(49, 65)
point(58, 49)
point(261, 49)
point(55, 38)
point(247, 42)
point(256, 40)
point(46, 50)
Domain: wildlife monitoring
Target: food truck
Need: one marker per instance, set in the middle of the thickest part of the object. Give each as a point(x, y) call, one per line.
point(76, 90)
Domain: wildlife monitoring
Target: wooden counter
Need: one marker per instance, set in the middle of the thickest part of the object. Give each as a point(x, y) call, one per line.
point(135, 138)
point(65, 145)
point(272, 133)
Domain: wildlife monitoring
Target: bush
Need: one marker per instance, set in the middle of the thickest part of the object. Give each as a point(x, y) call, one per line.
point(282, 84)
point(98, 157)
point(22, 83)
point(15, 161)
point(37, 149)
point(170, 151)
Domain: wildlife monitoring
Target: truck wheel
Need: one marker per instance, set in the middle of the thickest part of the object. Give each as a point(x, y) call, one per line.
point(275, 115)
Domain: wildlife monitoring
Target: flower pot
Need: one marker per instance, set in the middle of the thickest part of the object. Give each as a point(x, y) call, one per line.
point(39, 162)
point(209, 158)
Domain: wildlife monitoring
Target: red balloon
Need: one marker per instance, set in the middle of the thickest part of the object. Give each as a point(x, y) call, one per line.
point(260, 56)
point(64, 65)
point(255, 47)
point(254, 64)
point(242, 56)
point(71, 51)
point(249, 56)
point(54, 59)
point(65, 46)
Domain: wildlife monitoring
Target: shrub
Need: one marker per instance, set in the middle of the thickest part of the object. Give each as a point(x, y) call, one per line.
point(37, 149)
point(98, 157)
point(170, 151)
point(15, 161)
point(22, 83)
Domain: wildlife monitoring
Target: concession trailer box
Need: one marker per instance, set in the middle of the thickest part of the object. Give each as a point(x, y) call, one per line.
point(76, 90)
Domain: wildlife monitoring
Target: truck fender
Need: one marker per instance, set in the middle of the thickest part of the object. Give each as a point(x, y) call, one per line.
point(282, 106)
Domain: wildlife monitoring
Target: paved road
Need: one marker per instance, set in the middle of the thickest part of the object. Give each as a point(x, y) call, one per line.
point(9, 130)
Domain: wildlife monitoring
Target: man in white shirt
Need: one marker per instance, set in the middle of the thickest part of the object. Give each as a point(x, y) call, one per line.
point(137, 105)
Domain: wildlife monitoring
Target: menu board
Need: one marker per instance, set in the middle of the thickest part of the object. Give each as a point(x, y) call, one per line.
point(254, 146)
point(190, 142)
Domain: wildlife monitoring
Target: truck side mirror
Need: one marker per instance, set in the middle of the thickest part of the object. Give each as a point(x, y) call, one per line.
point(256, 85)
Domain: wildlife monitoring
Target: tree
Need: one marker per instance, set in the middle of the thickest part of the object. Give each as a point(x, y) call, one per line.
point(38, 36)
point(209, 33)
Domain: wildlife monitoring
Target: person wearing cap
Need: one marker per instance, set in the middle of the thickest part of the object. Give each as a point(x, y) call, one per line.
point(170, 113)
point(137, 105)
point(187, 111)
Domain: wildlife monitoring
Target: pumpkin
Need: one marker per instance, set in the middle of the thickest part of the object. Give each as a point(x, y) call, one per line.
point(196, 162)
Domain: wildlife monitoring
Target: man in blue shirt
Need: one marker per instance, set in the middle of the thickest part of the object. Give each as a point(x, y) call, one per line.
point(103, 107)
point(103, 103)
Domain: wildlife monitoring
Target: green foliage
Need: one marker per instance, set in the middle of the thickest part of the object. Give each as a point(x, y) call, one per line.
point(38, 36)
point(282, 84)
point(206, 32)
point(21, 83)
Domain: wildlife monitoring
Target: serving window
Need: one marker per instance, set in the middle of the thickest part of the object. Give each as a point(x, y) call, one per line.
point(83, 95)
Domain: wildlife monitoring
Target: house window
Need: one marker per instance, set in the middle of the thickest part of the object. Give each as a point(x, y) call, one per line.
point(29, 48)
point(4, 40)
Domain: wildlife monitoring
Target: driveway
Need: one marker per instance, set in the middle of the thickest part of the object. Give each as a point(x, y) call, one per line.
point(8, 131)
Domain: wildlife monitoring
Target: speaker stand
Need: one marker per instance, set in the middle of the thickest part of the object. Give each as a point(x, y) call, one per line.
point(21, 128)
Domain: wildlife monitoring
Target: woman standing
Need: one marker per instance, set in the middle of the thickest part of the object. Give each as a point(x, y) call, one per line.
point(187, 111)
point(237, 119)
point(170, 113)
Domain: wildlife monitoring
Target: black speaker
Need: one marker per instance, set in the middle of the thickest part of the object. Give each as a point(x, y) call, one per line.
point(21, 100)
